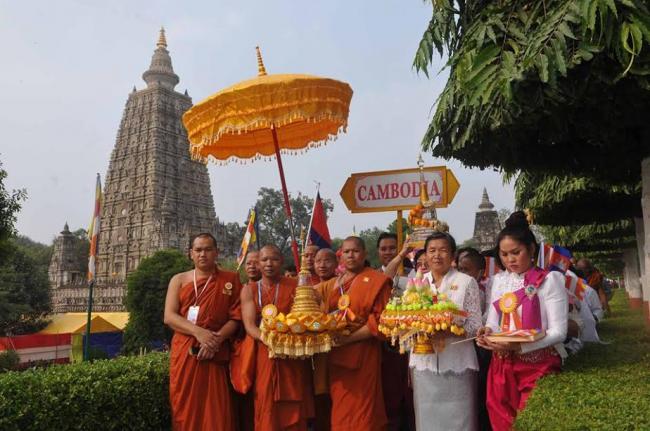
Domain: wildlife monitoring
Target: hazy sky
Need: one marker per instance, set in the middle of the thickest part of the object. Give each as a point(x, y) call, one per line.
point(68, 66)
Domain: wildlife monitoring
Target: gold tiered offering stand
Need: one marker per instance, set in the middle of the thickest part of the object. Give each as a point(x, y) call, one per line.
point(304, 331)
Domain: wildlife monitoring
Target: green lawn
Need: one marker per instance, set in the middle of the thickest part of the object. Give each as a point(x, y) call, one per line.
point(604, 387)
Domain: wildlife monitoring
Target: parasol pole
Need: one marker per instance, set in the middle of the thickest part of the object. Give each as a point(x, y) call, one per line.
point(287, 206)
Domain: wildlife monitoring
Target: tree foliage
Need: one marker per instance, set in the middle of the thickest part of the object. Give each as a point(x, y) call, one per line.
point(40, 253)
point(392, 228)
point(9, 207)
point(595, 236)
point(572, 200)
point(554, 85)
point(370, 237)
point(229, 237)
point(145, 299)
point(273, 224)
point(81, 250)
point(24, 293)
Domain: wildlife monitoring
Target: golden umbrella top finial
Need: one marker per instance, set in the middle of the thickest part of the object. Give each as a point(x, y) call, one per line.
point(162, 41)
point(261, 70)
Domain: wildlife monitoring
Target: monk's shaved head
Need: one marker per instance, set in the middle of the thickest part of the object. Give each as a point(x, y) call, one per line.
point(325, 264)
point(271, 248)
point(271, 261)
point(358, 241)
point(326, 252)
point(252, 265)
point(354, 254)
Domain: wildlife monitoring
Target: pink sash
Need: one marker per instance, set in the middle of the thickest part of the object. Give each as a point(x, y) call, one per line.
point(528, 300)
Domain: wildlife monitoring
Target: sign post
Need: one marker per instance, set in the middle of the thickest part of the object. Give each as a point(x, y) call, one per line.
point(398, 190)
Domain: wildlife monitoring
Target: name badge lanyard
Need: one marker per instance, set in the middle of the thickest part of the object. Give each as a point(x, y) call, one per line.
point(193, 311)
point(197, 294)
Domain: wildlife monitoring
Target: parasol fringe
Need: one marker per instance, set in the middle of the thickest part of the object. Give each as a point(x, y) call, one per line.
point(196, 155)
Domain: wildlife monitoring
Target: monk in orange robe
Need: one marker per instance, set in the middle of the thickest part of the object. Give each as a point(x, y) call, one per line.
point(283, 387)
point(310, 258)
point(203, 309)
point(355, 361)
point(325, 265)
point(244, 402)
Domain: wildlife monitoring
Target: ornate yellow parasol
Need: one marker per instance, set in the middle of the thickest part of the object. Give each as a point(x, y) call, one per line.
point(270, 114)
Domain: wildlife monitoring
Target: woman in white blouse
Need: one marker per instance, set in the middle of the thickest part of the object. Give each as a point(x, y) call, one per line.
point(532, 299)
point(444, 383)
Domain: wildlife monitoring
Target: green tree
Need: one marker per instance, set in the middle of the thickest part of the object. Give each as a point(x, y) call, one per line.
point(336, 243)
point(24, 292)
point(392, 227)
point(9, 207)
point(229, 239)
point(370, 237)
point(145, 299)
point(40, 253)
point(81, 250)
point(273, 224)
point(580, 68)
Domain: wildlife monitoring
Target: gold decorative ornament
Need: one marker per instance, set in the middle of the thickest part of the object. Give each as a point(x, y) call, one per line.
point(305, 330)
point(423, 217)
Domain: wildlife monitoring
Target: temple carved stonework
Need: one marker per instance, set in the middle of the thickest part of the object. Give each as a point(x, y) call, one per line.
point(63, 269)
point(155, 196)
point(486, 225)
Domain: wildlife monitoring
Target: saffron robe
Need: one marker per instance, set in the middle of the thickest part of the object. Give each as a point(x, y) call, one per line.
point(283, 387)
point(199, 392)
point(355, 369)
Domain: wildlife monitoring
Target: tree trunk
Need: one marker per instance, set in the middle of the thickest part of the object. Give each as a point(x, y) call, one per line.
point(632, 284)
point(645, 205)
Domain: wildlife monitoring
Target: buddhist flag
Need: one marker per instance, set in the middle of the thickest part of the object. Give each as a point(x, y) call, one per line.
point(93, 230)
point(249, 236)
point(319, 234)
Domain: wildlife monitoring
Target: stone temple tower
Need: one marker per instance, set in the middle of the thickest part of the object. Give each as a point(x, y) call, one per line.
point(63, 269)
point(155, 196)
point(487, 224)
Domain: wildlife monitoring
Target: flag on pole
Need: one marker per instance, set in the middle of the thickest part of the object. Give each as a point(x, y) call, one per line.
point(249, 236)
point(319, 234)
point(574, 285)
point(560, 259)
point(545, 252)
point(93, 229)
point(554, 258)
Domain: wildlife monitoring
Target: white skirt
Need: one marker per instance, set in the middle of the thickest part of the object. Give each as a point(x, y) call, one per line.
point(444, 402)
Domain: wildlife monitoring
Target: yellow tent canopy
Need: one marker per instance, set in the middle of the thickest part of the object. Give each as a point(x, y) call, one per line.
point(75, 323)
point(115, 318)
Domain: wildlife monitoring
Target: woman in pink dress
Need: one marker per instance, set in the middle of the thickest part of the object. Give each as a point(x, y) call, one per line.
point(522, 297)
